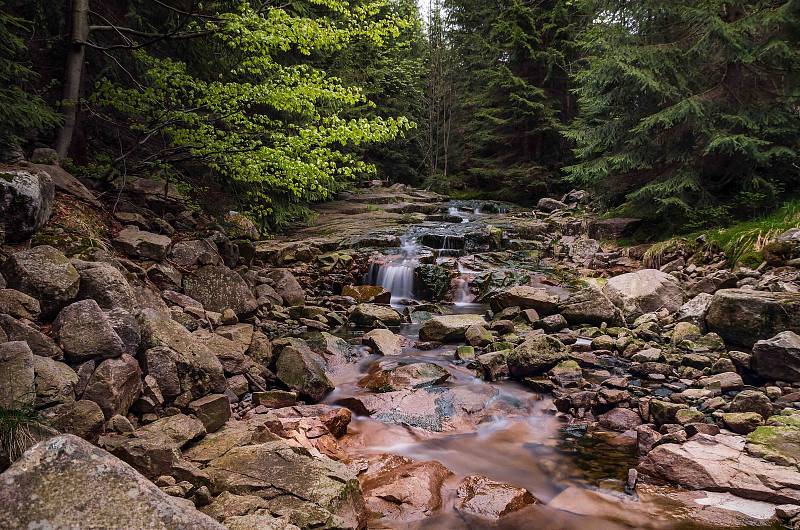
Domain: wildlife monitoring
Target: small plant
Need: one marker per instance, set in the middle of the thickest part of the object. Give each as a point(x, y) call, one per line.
point(20, 428)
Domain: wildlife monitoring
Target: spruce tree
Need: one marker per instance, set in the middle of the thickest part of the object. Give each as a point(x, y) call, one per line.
point(689, 108)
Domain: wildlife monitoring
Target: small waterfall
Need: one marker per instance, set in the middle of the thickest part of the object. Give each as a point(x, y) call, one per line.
point(397, 276)
point(462, 294)
point(455, 212)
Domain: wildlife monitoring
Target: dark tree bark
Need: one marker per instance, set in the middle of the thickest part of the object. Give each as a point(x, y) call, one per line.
point(73, 73)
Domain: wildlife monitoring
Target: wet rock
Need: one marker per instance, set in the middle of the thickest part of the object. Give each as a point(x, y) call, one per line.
point(287, 286)
point(644, 291)
point(494, 365)
point(406, 376)
point(370, 314)
point(398, 489)
point(141, 244)
point(489, 499)
point(45, 274)
point(54, 381)
point(590, 306)
point(448, 328)
point(303, 370)
point(16, 375)
point(620, 420)
point(743, 317)
point(84, 332)
point(38, 342)
point(307, 491)
point(384, 342)
point(26, 202)
point(155, 448)
point(526, 297)
point(213, 410)
point(105, 284)
point(54, 482)
point(218, 288)
point(115, 385)
point(778, 357)
point(478, 336)
point(718, 463)
point(536, 355)
point(177, 360)
point(18, 304)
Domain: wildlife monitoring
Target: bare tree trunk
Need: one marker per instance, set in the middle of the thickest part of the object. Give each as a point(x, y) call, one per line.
point(73, 73)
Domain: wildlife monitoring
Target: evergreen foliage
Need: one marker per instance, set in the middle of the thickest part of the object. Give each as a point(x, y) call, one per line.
point(688, 108)
point(21, 112)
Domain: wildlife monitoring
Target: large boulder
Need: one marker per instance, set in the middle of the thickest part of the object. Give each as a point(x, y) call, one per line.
point(191, 253)
point(303, 370)
point(114, 385)
point(155, 448)
point(54, 381)
point(287, 286)
point(310, 492)
point(719, 463)
point(218, 288)
point(536, 355)
point(45, 274)
point(742, 317)
point(590, 306)
point(84, 332)
point(26, 202)
point(383, 342)
point(370, 314)
point(39, 343)
point(66, 482)
point(16, 375)
point(783, 248)
point(526, 297)
point(778, 358)
point(141, 244)
point(178, 360)
point(644, 291)
point(614, 228)
point(105, 284)
point(82, 418)
point(449, 328)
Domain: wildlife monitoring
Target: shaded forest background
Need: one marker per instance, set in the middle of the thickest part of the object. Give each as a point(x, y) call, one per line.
point(685, 113)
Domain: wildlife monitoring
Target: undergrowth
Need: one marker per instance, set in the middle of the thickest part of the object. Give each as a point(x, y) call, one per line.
point(20, 428)
point(742, 243)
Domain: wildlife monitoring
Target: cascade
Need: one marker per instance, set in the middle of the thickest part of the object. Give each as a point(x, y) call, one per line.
point(397, 276)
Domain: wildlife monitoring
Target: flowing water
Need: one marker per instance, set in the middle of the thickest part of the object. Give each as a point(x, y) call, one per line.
point(503, 431)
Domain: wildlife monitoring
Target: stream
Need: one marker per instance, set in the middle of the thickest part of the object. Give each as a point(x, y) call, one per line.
point(501, 430)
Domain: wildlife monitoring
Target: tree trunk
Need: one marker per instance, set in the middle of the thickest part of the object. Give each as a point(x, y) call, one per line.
point(72, 74)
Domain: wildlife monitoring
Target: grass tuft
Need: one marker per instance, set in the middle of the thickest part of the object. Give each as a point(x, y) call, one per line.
point(21, 428)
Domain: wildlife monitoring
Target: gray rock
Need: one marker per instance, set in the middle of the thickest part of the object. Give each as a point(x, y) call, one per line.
point(178, 360)
point(66, 482)
point(287, 286)
point(84, 332)
point(39, 343)
point(126, 326)
point(213, 410)
point(369, 314)
point(449, 328)
point(695, 310)
point(644, 291)
point(16, 375)
point(26, 202)
point(590, 306)
point(106, 285)
point(141, 244)
point(536, 355)
point(45, 274)
point(752, 401)
point(384, 342)
point(18, 304)
point(526, 297)
point(54, 381)
point(620, 419)
point(778, 358)
point(603, 229)
point(303, 370)
point(548, 205)
point(192, 253)
point(743, 317)
point(218, 288)
point(82, 418)
point(115, 385)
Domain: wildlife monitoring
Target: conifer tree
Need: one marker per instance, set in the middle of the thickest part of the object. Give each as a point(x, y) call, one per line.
point(689, 108)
